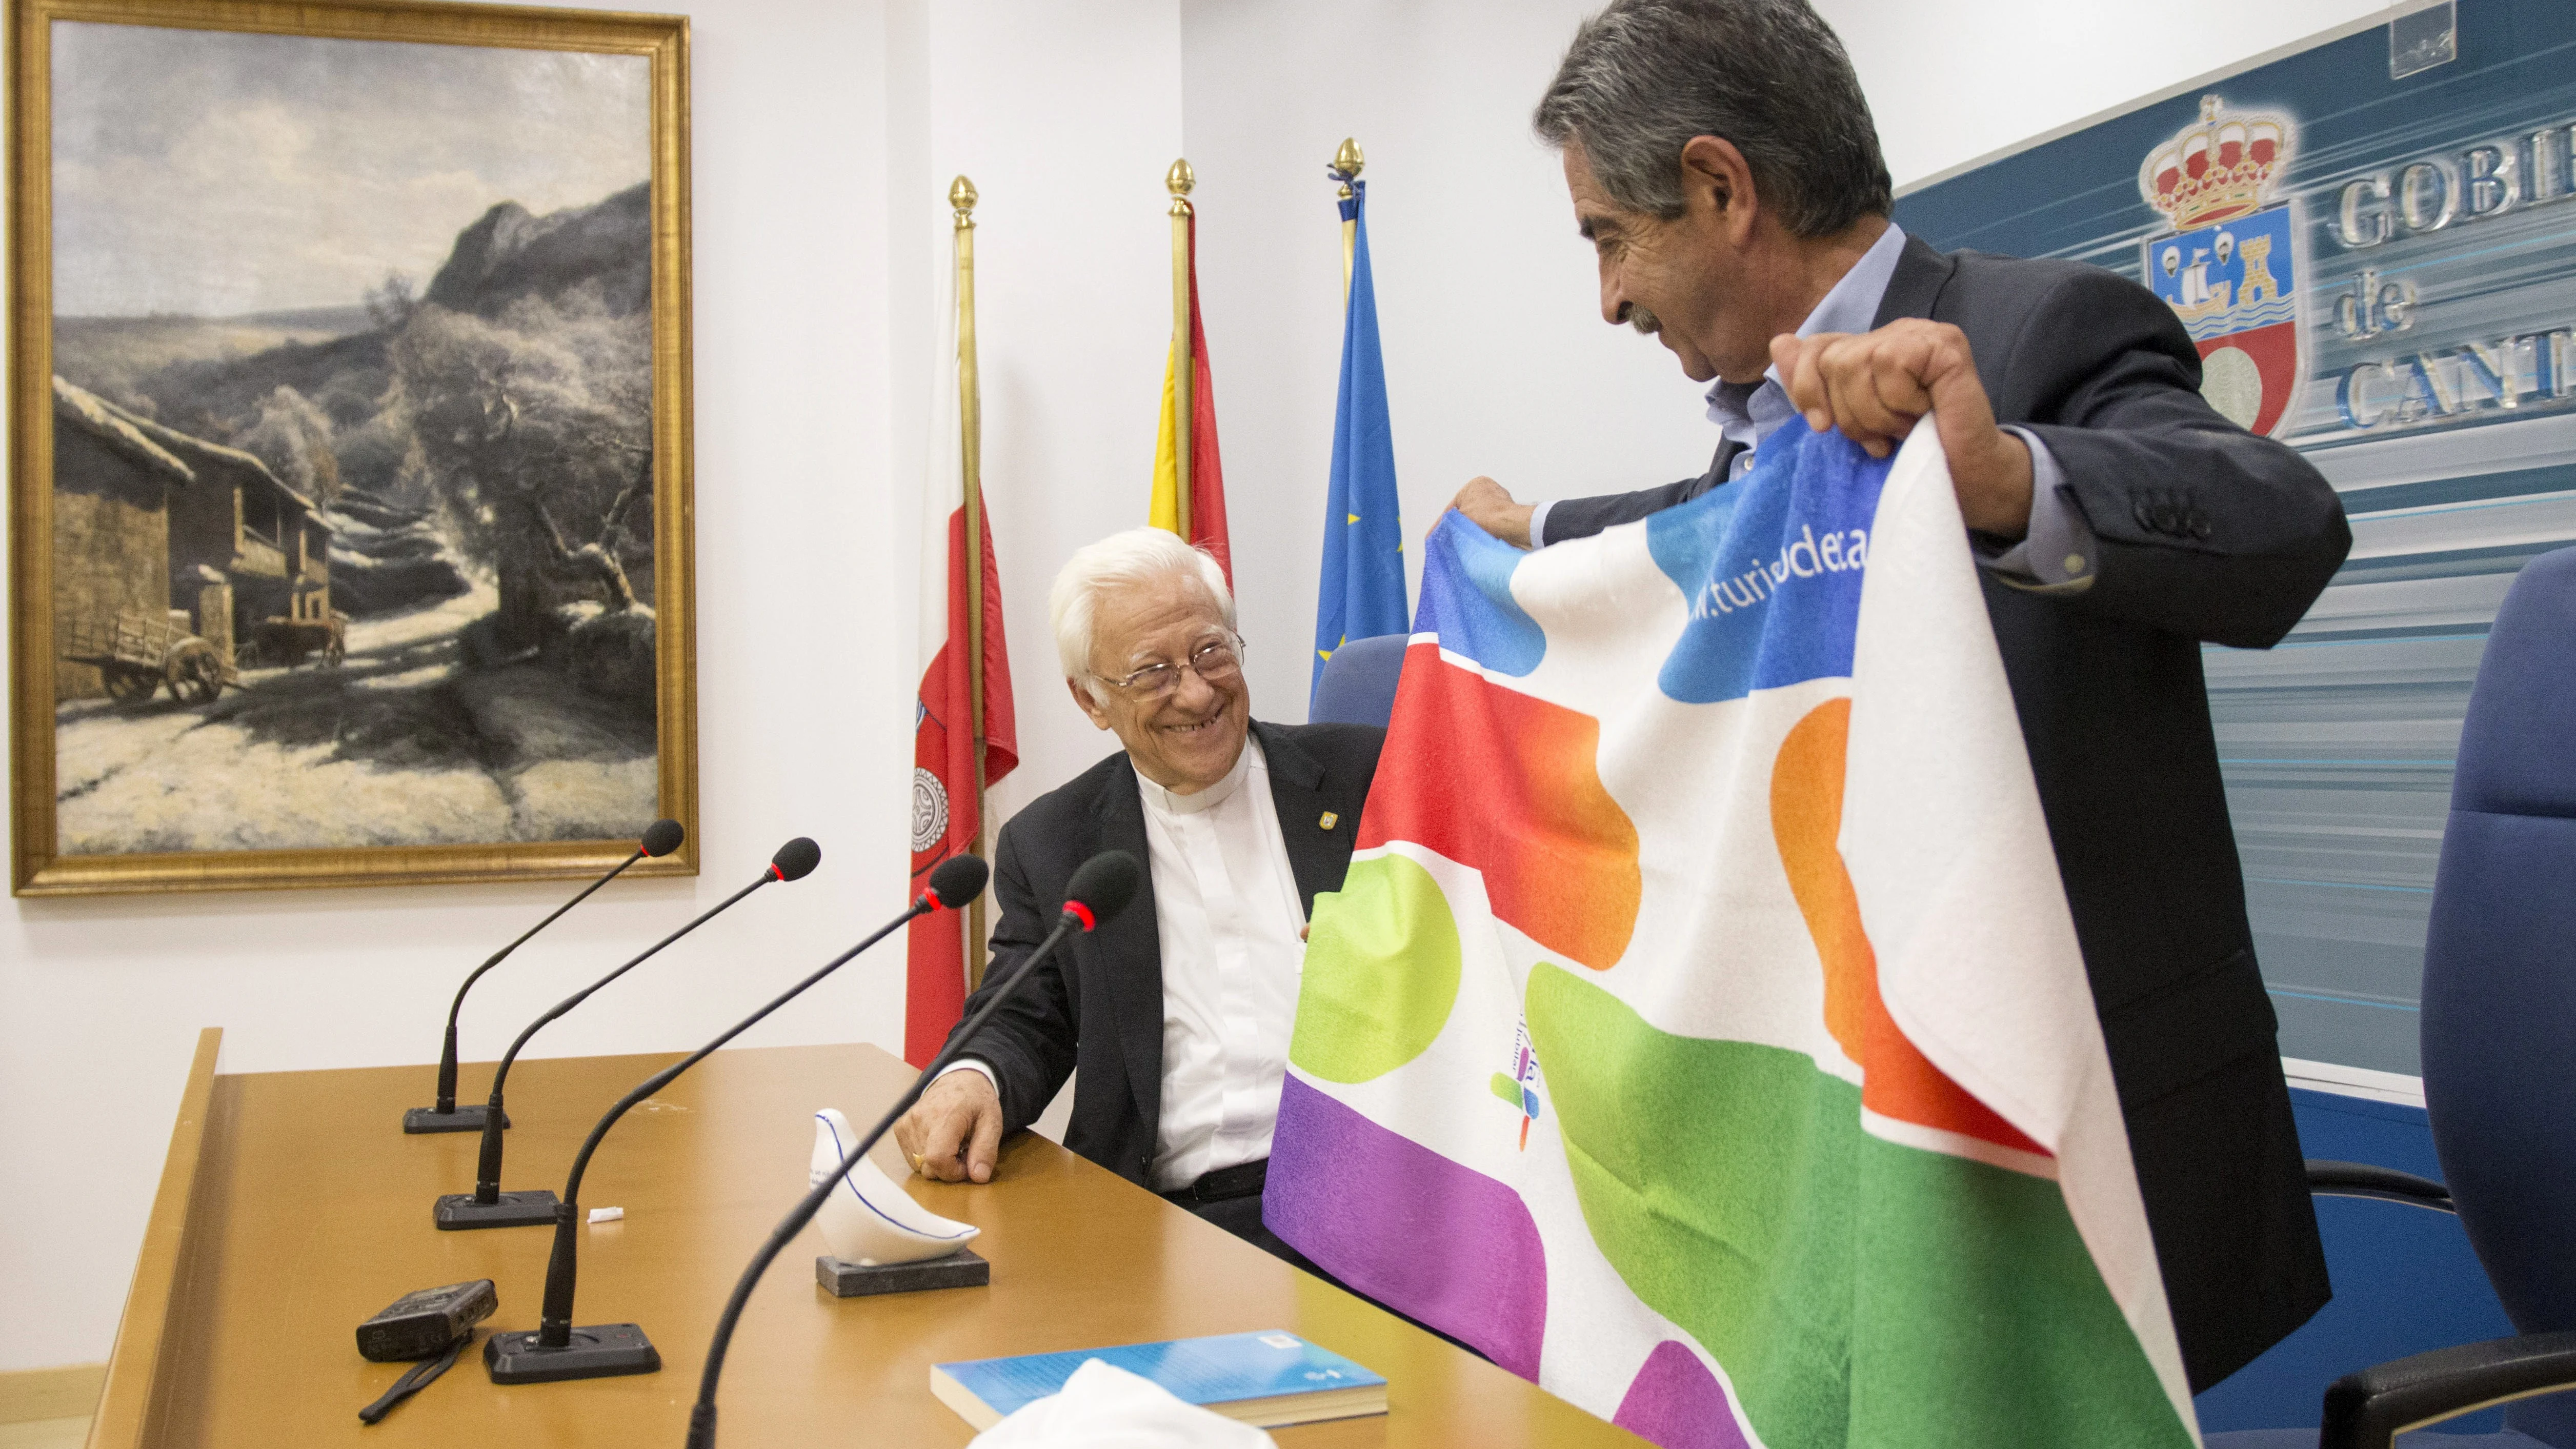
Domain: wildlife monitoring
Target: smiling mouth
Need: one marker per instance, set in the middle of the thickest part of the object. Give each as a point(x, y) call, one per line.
point(1191, 729)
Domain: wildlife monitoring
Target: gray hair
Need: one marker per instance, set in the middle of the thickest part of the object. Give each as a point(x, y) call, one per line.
point(1122, 560)
point(1645, 76)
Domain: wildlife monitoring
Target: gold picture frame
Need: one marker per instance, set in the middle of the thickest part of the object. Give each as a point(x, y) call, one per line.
point(91, 627)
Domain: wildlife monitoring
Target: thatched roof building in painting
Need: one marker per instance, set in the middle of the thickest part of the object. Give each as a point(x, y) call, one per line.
point(153, 524)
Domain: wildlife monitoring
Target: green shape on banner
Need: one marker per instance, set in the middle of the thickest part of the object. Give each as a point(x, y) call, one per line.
point(1507, 1089)
point(1716, 1177)
point(1960, 1243)
point(1858, 1292)
point(1382, 968)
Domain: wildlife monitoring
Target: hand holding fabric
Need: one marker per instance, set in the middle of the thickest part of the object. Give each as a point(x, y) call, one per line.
point(1490, 508)
point(1874, 386)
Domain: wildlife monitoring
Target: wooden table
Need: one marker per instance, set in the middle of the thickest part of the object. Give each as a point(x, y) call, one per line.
point(293, 1207)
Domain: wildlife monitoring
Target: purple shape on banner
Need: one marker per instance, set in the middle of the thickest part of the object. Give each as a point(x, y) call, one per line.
point(1677, 1403)
point(1408, 1227)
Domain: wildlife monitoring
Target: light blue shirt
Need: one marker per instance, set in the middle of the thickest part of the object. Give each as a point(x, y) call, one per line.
point(2057, 551)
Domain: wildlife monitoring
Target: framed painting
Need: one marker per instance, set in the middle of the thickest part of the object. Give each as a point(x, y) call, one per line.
point(349, 443)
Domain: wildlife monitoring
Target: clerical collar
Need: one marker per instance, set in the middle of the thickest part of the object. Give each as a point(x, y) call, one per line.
point(1158, 798)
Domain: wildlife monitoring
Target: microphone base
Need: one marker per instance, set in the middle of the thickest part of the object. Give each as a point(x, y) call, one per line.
point(602, 1350)
point(532, 1208)
point(463, 1119)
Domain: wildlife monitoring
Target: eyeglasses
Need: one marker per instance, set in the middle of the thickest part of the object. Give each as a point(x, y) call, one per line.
point(1218, 661)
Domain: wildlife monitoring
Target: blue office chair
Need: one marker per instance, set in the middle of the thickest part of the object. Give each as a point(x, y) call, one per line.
point(2499, 1037)
point(1358, 686)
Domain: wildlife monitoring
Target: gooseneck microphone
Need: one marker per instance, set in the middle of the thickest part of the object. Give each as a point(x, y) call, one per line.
point(660, 838)
point(558, 1350)
point(487, 1206)
point(1100, 889)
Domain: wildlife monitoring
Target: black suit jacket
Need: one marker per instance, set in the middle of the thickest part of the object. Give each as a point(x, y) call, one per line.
point(1097, 1003)
point(2206, 533)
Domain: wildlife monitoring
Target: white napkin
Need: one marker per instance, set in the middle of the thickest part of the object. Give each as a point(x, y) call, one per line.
point(1103, 1407)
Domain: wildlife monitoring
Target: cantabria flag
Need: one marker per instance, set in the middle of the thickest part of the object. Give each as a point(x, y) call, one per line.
point(1701, 1030)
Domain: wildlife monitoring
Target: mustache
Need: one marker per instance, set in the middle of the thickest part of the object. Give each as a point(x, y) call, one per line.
point(1644, 320)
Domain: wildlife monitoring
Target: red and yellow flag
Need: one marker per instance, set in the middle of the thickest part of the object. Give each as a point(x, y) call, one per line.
point(1189, 500)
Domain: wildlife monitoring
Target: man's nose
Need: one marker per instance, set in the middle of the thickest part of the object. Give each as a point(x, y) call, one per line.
point(1193, 693)
point(1614, 303)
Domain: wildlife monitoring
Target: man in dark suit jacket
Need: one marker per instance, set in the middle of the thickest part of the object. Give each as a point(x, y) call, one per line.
point(1176, 1011)
point(1722, 160)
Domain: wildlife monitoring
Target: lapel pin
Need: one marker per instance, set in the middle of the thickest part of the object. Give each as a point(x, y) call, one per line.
point(1330, 820)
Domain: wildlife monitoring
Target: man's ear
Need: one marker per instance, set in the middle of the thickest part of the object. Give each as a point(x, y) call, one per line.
point(1089, 706)
point(1717, 182)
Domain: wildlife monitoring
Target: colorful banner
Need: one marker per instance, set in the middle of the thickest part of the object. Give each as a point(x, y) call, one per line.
point(1701, 1031)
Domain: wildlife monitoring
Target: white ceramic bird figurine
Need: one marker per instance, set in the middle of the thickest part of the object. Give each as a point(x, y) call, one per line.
point(868, 1219)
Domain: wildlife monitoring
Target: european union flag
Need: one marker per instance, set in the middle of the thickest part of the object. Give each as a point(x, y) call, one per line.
point(1363, 587)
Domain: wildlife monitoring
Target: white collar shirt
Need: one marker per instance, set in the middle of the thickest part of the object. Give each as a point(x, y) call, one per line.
point(1228, 912)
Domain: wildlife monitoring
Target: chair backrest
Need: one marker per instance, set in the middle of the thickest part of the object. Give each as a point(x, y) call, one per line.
point(1358, 685)
point(2499, 1017)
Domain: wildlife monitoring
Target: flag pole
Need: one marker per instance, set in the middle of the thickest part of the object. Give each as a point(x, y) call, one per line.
point(970, 420)
point(1346, 164)
point(1180, 180)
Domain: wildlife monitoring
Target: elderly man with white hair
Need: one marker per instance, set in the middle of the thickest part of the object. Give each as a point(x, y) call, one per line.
point(1176, 1011)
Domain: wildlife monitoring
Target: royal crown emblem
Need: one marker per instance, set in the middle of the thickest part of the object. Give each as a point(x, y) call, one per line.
point(2229, 268)
point(2220, 168)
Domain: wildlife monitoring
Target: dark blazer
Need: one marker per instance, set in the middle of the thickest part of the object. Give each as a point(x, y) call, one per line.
point(1097, 1003)
point(2206, 533)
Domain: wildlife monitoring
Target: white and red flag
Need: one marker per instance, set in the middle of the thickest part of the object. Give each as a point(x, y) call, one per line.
point(964, 706)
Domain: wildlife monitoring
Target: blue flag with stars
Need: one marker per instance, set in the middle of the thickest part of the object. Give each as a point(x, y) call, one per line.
point(1363, 586)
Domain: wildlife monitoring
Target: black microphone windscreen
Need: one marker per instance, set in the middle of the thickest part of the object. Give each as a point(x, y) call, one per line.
point(797, 858)
point(959, 879)
point(663, 836)
point(1106, 883)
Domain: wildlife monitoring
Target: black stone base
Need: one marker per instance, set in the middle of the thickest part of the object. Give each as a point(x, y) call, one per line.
point(960, 1269)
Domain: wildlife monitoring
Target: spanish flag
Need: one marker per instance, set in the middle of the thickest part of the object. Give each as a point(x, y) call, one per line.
point(1189, 481)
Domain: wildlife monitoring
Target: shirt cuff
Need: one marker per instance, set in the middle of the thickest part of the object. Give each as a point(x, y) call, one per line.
point(1538, 524)
point(2059, 552)
point(971, 1064)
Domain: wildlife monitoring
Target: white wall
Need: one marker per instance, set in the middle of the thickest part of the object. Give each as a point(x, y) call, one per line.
point(825, 135)
point(1953, 81)
point(1064, 117)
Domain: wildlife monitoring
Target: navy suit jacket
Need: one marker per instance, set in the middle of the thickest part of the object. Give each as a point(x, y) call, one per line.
point(2206, 533)
point(1097, 1003)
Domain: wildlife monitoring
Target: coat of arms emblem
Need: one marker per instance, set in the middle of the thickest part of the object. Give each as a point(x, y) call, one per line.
point(2229, 268)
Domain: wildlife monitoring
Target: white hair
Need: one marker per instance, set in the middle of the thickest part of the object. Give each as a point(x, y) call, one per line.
point(1122, 560)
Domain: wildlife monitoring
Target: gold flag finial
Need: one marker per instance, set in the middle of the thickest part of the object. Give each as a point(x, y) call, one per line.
point(961, 195)
point(1347, 163)
point(1180, 181)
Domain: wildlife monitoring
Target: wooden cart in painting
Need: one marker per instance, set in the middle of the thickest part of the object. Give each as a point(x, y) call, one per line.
point(135, 654)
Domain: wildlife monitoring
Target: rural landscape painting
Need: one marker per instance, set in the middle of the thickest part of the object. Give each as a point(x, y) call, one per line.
point(364, 552)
